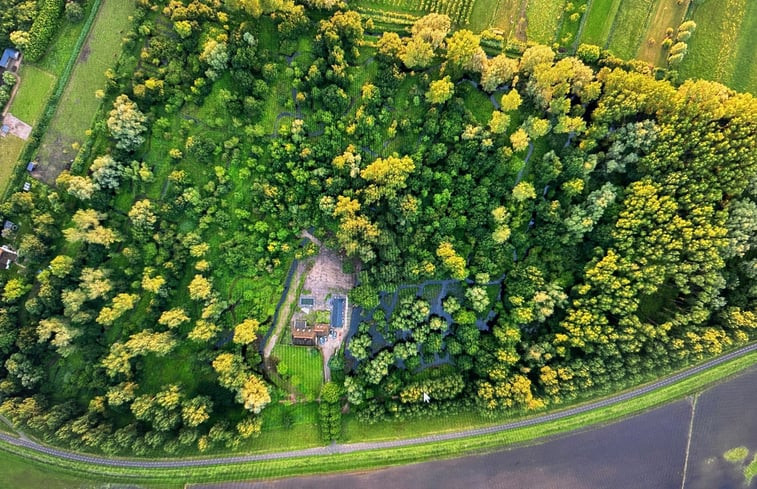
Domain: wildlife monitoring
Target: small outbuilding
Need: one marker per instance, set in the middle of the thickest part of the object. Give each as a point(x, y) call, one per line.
point(31, 166)
point(9, 59)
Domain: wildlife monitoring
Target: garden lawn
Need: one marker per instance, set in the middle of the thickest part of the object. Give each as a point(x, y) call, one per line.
point(305, 367)
point(78, 103)
point(601, 17)
point(10, 150)
point(543, 17)
point(34, 90)
point(629, 27)
point(667, 14)
point(714, 44)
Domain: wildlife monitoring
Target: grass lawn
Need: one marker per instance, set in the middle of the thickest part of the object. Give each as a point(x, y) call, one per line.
point(78, 103)
point(713, 45)
point(33, 92)
point(745, 78)
point(667, 14)
point(629, 27)
point(599, 22)
point(543, 17)
point(305, 367)
point(10, 150)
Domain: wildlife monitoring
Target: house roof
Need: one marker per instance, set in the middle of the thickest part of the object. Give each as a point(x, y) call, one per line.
point(321, 329)
point(303, 334)
point(9, 55)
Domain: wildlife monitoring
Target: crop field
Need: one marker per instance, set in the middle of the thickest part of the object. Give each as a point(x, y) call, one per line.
point(629, 27)
point(723, 46)
point(405, 11)
point(78, 103)
point(543, 17)
point(599, 22)
point(668, 14)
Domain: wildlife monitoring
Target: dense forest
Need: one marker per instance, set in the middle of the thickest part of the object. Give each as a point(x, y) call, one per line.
point(594, 225)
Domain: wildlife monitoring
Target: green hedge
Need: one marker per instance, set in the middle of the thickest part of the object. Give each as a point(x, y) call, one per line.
point(43, 29)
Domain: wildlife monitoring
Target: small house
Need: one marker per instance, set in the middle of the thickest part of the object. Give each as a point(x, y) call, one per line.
point(9, 60)
point(302, 335)
point(31, 166)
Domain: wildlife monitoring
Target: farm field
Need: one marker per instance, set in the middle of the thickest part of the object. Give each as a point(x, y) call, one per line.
point(543, 18)
point(34, 90)
point(599, 22)
point(666, 15)
point(629, 26)
point(722, 48)
point(78, 103)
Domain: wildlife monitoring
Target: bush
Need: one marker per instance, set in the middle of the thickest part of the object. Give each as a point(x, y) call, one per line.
point(74, 12)
point(43, 29)
point(588, 53)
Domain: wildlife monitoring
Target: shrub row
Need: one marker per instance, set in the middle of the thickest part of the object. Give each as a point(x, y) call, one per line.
point(43, 29)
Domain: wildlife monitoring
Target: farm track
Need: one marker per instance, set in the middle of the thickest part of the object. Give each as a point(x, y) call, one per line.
point(12, 442)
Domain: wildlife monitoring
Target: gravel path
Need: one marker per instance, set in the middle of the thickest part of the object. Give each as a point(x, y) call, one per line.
point(358, 447)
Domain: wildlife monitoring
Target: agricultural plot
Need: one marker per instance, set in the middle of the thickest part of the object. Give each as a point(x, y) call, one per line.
point(504, 15)
point(599, 22)
point(667, 15)
point(629, 27)
point(406, 11)
point(543, 17)
point(721, 45)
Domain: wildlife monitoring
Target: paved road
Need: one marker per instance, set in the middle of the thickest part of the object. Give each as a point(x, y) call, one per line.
point(358, 447)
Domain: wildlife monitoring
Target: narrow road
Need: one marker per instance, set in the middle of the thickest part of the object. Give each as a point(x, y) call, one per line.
point(358, 447)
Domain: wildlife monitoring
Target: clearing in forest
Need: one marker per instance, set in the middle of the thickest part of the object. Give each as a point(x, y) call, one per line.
point(78, 103)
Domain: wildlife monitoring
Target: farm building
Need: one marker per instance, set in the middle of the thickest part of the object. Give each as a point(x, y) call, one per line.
point(9, 60)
